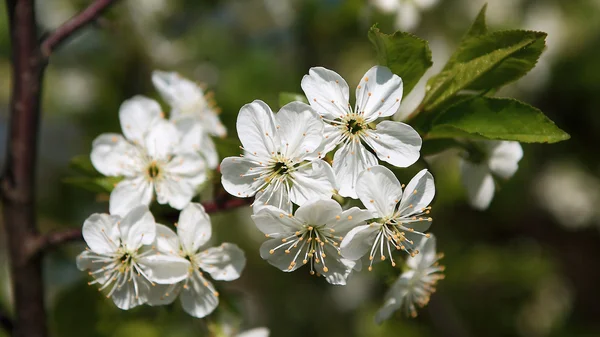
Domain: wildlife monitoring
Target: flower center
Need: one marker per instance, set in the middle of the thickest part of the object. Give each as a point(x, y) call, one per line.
point(281, 167)
point(153, 170)
point(353, 125)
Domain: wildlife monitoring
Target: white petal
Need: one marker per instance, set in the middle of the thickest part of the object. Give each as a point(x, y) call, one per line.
point(419, 193)
point(332, 135)
point(275, 222)
point(327, 92)
point(358, 241)
point(394, 299)
point(165, 269)
point(137, 228)
point(273, 196)
point(314, 181)
point(175, 191)
point(128, 194)
point(127, 297)
point(408, 16)
point(199, 299)
point(188, 167)
point(256, 332)
point(163, 294)
point(212, 123)
point(162, 139)
point(504, 159)
point(112, 155)
point(300, 130)
point(388, 6)
point(338, 268)
point(479, 184)
point(87, 260)
point(238, 176)
point(279, 258)
point(195, 138)
point(175, 89)
point(167, 242)
point(350, 219)
point(427, 254)
point(379, 190)
point(395, 142)
point(378, 93)
point(101, 233)
point(194, 228)
point(256, 129)
point(319, 211)
point(348, 162)
point(137, 116)
point(225, 262)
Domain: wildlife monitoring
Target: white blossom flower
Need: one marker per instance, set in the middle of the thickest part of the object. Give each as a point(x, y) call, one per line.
point(408, 12)
point(377, 95)
point(256, 332)
point(121, 260)
point(414, 287)
point(194, 112)
point(224, 263)
point(149, 159)
point(401, 223)
point(311, 236)
point(281, 158)
point(488, 160)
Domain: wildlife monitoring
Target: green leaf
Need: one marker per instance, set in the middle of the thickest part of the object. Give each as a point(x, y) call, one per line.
point(486, 62)
point(83, 164)
point(405, 54)
point(496, 118)
point(97, 185)
point(287, 97)
point(479, 26)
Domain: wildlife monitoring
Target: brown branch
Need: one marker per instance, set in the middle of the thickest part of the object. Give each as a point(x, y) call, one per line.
point(57, 238)
point(64, 32)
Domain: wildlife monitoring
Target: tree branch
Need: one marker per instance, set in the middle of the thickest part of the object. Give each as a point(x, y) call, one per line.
point(57, 238)
point(62, 33)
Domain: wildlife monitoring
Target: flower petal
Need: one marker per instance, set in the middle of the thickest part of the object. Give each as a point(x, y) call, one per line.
point(338, 268)
point(319, 211)
point(165, 269)
point(194, 228)
point(300, 130)
point(101, 233)
point(359, 241)
point(395, 142)
point(225, 262)
point(378, 93)
point(275, 222)
point(350, 219)
point(394, 299)
point(504, 158)
point(272, 196)
point(112, 155)
point(379, 190)
point(418, 194)
point(327, 92)
point(200, 298)
point(137, 228)
point(348, 162)
point(162, 139)
point(238, 176)
point(188, 167)
point(314, 181)
point(176, 191)
point(131, 294)
point(256, 129)
point(163, 294)
point(128, 194)
point(167, 242)
point(195, 138)
point(175, 89)
point(278, 258)
point(138, 115)
point(256, 332)
point(427, 255)
point(479, 184)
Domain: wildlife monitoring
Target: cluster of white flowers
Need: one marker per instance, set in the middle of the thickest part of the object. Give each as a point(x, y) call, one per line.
point(131, 257)
point(285, 163)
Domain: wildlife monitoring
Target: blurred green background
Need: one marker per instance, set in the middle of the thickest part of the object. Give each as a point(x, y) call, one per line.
point(526, 267)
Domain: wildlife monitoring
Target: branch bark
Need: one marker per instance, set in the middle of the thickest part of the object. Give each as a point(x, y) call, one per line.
point(62, 33)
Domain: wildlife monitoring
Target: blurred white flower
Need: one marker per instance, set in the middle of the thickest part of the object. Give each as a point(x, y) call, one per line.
point(487, 160)
point(224, 263)
point(256, 332)
point(121, 260)
point(408, 12)
point(401, 223)
point(280, 160)
point(311, 236)
point(378, 95)
point(149, 157)
point(414, 287)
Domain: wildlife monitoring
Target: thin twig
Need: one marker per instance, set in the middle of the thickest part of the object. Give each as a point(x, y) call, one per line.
point(54, 239)
point(6, 323)
point(66, 30)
